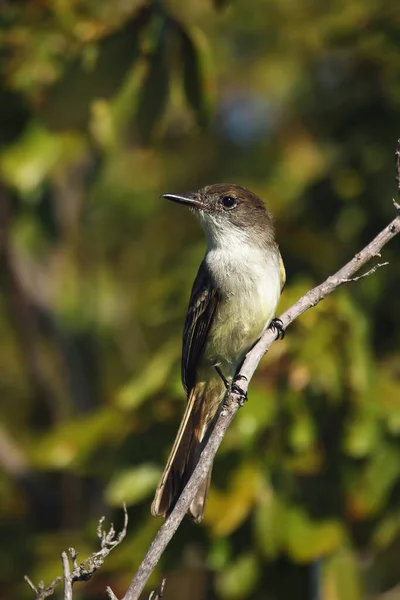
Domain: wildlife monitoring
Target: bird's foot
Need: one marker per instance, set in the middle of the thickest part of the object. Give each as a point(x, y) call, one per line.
point(277, 327)
point(226, 382)
point(233, 386)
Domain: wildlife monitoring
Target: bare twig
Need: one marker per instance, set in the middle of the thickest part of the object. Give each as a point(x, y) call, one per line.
point(41, 591)
point(370, 272)
point(232, 401)
point(84, 570)
point(111, 594)
point(160, 594)
point(67, 576)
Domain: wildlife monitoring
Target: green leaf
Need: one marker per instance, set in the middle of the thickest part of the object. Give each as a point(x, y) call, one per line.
point(28, 162)
point(72, 443)
point(370, 486)
point(362, 436)
point(341, 576)
point(151, 379)
point(302, 433)
point(227, 510)
point(269, 517)
point(133, 485)
point(252, 422)
point(154, 93)
point(386, 530)
point(306, 539)
point(68, 103)
point(196, 72)
point(240, 578)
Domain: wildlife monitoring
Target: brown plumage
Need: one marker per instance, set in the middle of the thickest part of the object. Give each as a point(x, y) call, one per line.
point(233, 299)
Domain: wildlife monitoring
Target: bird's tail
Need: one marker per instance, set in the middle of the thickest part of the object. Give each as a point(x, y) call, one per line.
point(192, 436)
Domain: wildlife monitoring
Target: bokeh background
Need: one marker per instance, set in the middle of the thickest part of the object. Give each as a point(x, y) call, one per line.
point(103, 107)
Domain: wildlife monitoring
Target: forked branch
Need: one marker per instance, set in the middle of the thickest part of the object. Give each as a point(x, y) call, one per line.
point(84, 570)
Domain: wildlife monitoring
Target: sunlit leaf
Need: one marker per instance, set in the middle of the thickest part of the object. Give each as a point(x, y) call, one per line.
point(302, 433)
point(341, 577)
point(227, 510)
point(132, 485)
point(361, 438)
point(151, 379)
point(269, 519)
point(240, 578)
point(307, 539)
point(250, 423)
point(71, 444)
point(25, 165)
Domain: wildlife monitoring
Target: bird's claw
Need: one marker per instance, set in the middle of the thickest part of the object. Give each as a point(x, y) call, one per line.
point(277, 327)
point(237, 389)
point(233, 386)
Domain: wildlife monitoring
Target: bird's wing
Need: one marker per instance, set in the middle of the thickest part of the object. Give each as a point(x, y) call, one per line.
point(202, 306)
point(282, 271)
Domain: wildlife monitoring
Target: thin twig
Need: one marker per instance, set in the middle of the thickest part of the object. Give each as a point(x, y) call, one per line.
point(83, 571)
point(110, 593)
point(370, 272)
point(160, 594)
point(67, 577)
point(232, 401)
point(41, 591)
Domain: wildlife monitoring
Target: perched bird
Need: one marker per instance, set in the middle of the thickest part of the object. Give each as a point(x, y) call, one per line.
point(234, 299)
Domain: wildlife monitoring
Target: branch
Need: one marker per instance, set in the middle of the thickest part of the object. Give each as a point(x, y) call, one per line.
point(84, 570)
point(232, 401)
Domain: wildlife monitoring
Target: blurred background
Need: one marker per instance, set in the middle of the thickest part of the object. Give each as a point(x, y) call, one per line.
point(103, 107)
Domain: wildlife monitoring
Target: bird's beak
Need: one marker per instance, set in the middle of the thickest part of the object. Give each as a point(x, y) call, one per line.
point(191, 200)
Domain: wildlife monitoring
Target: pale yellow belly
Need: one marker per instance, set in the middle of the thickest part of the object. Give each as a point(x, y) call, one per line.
point(248, 280)
point(236, 327)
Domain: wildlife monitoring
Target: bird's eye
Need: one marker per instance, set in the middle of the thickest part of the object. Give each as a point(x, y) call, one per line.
point(229, 202)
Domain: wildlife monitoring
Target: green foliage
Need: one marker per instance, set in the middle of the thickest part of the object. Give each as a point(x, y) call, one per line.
point(97, 73)
point(104, 107)
point(240, 579)
point(133, 485)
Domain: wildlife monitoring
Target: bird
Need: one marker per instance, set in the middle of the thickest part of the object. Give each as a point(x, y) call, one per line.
point(233, 301)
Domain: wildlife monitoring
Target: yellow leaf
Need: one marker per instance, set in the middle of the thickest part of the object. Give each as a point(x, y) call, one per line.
point(227, 510)
point(307, 540)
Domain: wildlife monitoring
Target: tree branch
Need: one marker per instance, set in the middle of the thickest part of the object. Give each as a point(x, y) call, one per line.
point(232, 401)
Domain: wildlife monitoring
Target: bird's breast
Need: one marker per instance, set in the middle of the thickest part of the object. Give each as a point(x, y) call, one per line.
point(248, 284)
